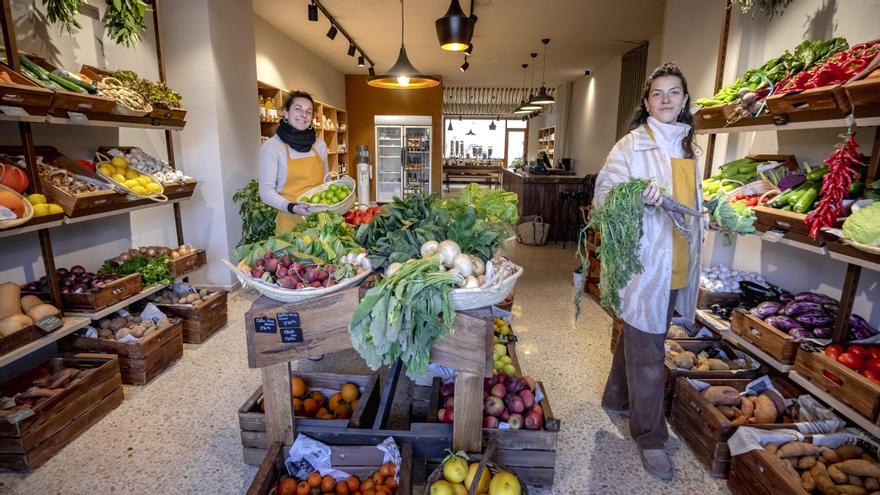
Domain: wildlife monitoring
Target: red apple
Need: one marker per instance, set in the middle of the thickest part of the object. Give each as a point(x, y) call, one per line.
point(528, 398)
point(515, 421)
point(514, 403)
point(490, 422)
point(505, 415)
point(493, 406)
point(498, 390)
point(529, 381)
point(533, 421)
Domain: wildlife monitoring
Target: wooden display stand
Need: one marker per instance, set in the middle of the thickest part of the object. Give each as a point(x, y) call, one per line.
point(278, 333)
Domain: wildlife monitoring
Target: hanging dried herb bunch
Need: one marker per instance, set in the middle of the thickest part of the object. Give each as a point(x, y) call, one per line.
point(769, 8)
point(124, 21)
point(63, 12)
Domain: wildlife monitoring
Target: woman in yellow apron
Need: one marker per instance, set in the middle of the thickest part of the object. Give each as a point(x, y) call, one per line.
point(292, 162)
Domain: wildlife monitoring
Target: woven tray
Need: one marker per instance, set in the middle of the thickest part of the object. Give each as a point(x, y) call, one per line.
point(20, 339)
point(465, 299)
point(486, 461)
point(292, 295)
point(28, 212)
point(341, 207)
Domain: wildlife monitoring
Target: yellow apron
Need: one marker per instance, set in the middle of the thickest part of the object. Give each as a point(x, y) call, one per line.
point(302, 175)
point(684, 186)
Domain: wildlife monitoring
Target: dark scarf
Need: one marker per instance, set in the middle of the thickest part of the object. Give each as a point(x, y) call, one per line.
point(301, 141)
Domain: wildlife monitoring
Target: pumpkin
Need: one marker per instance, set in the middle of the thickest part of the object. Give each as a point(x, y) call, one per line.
point(13, 177)
point(10, 300)
point(13, 202)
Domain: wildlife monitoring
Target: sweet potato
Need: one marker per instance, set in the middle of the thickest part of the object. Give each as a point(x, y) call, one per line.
point(856, 481)
point(797, 449)
point(765, 411)
point(821, 478)
point(777, 400)
point(806, 462)
point(859, 467)
point(740, 421)
point(872, 484)
point(771, 448)
point(807, 481)
point(729, 412)
point(722, 395)
point(828, 455)
point(849, 490)
point(837, 475)
point(747, 407)
point(846, 452)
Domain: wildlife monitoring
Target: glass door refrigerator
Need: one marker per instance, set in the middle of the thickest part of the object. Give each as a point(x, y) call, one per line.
point(389, 162)
point(417, 160)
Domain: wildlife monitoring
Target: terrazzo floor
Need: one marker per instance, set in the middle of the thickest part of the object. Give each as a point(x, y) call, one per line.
point(179, 434)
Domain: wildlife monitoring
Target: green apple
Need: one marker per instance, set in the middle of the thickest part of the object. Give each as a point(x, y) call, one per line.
point(509, 370)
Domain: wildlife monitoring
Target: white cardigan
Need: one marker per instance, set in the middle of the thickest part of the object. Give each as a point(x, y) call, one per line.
point(646, 298)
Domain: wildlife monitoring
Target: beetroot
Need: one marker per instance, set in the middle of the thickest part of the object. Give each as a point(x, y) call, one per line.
point(281, 272)
point(331, 282)
point(514, 403)
point(271, 265)
point(321, 275)
point(286, 261)
point(297, 267)
point(490, 422)
point(527, 397)
point(498, 390)
point(268, 255)
point(256, 272)
point(286, 283)
point(316, 284)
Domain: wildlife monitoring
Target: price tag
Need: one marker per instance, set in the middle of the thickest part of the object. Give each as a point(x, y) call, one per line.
point(13, 111)
point(50, 323)
point(773, 235)
point(77, 117)
point(264, 324)
point(291, 331)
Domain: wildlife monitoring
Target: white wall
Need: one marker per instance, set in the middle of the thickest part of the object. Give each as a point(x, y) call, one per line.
point(593, 117)
point(284, 63)
point(752, 42)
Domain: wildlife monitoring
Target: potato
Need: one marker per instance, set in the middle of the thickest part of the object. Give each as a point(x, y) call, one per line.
point(674, 346)
point(765, 411)
point(203, 293)
point(806, 462)
point(105, 323)
point(747, 407)
point(117, 323)
point(717, 365)
point(859, 467)
point(122, 333)
point(683, 361)
point(722, 395)
point(183, 300)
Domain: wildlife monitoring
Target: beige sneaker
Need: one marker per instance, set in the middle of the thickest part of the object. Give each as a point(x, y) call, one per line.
point(656, 462)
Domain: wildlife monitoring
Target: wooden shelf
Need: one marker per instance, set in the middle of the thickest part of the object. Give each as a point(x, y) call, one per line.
point(723, 328)
point(36, 223)
point(71, 324)
point(744, 125)
point(835, 404)
point(112, 120)
point(121, 304)
point(118, 211)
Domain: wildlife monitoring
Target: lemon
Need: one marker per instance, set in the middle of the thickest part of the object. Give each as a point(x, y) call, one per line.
point(131, 183)
point(118, 178)
point(36, 199)
point(154, 188)
point(119, 162)
point(53, 209)
point(455, 469)
point(106, 169)
point(441, 487)
point(131, 174)
point(458, 489)
point(485, 479)
point(139, 190)
point(145, 180)
point(41, 210)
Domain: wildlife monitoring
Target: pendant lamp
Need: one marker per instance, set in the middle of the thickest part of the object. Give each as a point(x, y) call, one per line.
point(492, 125)
point(450, 125)
point(543, 98)
point(531, 107)
point(454, 30)
point(520, 110)
point(470, 133)
point(403, 75)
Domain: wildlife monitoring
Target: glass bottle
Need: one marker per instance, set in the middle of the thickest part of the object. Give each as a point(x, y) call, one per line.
point(262, 103)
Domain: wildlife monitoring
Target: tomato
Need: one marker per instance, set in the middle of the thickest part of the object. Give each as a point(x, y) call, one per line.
point(872, 365)
point(858, 351)
point(833, 351)
point(850, 360)
point(873, 353)
point(872, 375)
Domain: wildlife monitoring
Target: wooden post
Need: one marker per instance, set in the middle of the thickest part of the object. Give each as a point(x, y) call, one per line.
point(278, 402)
point(467, 432)
point(847, 297)
point(874, 162)
point(719, 78)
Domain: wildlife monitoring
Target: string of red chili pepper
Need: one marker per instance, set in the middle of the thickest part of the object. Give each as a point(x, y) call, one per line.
point(835, 185)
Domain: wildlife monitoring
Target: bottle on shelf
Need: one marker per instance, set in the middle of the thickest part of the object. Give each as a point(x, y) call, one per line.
point(262, 103)
point(271, 113)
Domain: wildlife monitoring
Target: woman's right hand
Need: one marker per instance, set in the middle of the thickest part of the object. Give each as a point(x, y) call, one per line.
point(652, 196)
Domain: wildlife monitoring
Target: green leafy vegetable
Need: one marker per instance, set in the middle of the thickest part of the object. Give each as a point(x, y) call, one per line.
point(404, 315)
point(124, 21)
point(736, 218)
point(63, 12)
point(153, 271)
point(399, 232)
point(495, 205)
point(863, 226)
point(158, 94)
point(257, 218)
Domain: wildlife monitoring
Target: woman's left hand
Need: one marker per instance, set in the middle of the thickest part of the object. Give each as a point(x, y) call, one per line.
point(301, 209)
point(651, 196)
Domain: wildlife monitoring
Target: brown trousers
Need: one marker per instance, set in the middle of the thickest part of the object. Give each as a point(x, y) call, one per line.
point(636, 382)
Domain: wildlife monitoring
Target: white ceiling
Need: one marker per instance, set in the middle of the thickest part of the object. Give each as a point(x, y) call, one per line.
point(585, 34)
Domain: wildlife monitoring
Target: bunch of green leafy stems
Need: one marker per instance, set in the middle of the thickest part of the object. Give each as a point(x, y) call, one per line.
point(124, 20)
point(153, 270)
point(619, 222)
point(157, 94)
point(257, 218)
point(63, 12)
point(403, 315)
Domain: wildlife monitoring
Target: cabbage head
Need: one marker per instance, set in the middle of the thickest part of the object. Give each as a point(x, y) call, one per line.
point(863, 226)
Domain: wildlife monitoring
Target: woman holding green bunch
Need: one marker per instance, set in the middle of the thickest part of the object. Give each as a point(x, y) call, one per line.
point(292, 161)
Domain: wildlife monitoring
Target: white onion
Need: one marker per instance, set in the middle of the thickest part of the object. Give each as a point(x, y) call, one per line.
point(448, 251)
point(471, 283)
point(462, 264)
point(429, 248)
point(393, 267)
point(479, 267)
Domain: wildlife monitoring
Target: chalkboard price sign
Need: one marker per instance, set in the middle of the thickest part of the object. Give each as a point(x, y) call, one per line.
point(291, 331)
point(265, 324)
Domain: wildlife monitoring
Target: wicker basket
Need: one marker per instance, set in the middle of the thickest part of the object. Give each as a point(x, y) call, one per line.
point(341, 207)
point(20, 339)
point(292, 295)
point(28, 212)
point(486, 461)
point(157, 197)
point(465, 299)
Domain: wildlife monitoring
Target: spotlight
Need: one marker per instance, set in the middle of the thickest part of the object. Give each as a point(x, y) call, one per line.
point(588, 73)
point(351, 50)
point(464, 66)
point(332, 32)
point(372, 71)
point(361, 61)
point(469, 50)
point(313, 12)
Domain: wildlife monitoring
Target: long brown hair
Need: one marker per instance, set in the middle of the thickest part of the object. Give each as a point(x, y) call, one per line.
point(641, 114)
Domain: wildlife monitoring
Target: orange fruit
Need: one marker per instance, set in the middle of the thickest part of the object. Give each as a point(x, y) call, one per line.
point(353, 483)
point(303, 488)
point(342, 488)
point(298, 408)
point(342, 411)
point(369, 491)
point(287, 486)
point(367, 484)
point(350, 392)
point(314, 479)
point(316, 396)
point(335, 401)
point(310, 407)
point(378, 479)
point(389, 482)
point(328, 484)
point(297, 386)
point(388, 469)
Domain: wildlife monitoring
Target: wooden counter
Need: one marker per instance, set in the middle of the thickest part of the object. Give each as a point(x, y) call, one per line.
point(539, 195)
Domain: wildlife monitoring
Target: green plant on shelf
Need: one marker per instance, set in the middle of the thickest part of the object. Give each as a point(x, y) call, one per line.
point(257, 218)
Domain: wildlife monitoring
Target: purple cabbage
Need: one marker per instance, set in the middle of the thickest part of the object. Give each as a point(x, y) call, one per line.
point(790, 180)
point(782, 322)
point(822, 332)
point(765, 309)
point(794, 308)
point(800, 333)
point(815, 297)
point(814, 319)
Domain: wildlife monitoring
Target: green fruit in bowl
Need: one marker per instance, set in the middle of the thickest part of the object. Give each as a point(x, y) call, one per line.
point(316, 198)
point(509, 370)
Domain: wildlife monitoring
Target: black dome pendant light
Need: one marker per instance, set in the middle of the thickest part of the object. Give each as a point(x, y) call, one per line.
point(403, 75)
point(454, 30)
point(542, 97)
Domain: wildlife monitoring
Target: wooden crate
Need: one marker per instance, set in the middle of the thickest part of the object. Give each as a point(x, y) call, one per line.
point(252, 420)
point(90, 302)
point(616, 331)
point(719, 117)
point(186, 264)
point(839, 247)
point(98, 74)
point(531, 453)
point(65, 101)
point(24, 94)
point(827, 102)
point(141, 361)
point(202, 322)
point(705, 429)
point(356, 460)
point(20, 339)
point(864, 96)
point(29, 440)
point(778, 344)
point(671, 372)
point(707, 298)
point(790, 222)
point(848, 386)
point(760, 473)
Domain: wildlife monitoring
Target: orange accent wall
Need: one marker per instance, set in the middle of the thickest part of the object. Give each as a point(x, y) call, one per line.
point(364, 102)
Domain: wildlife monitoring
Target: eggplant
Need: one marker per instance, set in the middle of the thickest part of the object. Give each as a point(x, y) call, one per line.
point(795, 308)
point(815, 298)
point(722, 312)
point(765, 309)
point(800, 333)
point(859, 334)
point(830, 308)
point(857, 321)
point(784, 298)
point(782, 322)
point(814, 319)
point(822, 332)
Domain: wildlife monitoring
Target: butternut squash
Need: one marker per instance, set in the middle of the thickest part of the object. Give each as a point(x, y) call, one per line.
point(14, 323)
point(10, 300)
point(28, 302)
point(41, 311)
